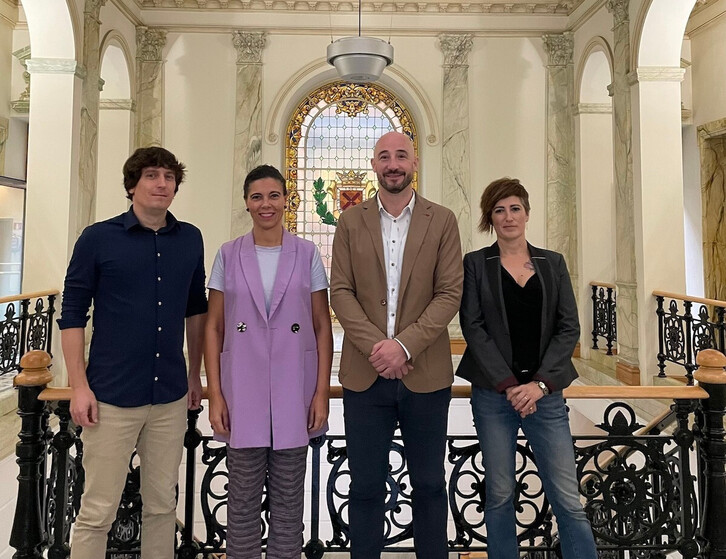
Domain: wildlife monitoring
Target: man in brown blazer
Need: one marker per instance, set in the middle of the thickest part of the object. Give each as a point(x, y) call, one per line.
point(396, 283)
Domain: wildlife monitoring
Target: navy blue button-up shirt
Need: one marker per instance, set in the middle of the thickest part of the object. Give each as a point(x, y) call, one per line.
point(142, 283)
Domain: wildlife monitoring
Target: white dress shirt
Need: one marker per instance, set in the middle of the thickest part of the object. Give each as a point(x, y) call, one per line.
point(394, 231)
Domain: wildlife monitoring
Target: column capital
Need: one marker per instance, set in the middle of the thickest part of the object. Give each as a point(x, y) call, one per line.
point(249, 46)
point(559, 48)
point(620, 10)
point(456, 48)
point(93, 7)
point(149, 43)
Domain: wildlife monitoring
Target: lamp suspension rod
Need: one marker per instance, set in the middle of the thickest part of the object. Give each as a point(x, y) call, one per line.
point(360, 16)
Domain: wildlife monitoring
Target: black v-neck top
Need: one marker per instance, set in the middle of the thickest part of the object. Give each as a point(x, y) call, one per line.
point(524, 315)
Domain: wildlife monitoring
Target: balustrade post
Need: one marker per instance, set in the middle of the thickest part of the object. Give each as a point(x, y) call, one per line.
point(684, 438)
point(660, 312)
point(63, 440)
point(711, 375)
point(51, 312)
point(721, 325)
point(189, 549)
point(594, 317)
point(609, 328)
point(690, 360)
point(314, 548)
point(24, 318)
point(28, 534)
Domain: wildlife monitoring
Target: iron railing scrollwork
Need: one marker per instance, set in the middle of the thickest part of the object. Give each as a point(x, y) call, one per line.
point(639, 492)
point(604, 317)
point(25, 326)
point(682, 334)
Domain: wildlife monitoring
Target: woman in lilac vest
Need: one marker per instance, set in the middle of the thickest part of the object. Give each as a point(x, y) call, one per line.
point(268, 351)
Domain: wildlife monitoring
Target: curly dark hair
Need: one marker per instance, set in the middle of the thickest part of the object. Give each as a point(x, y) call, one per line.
point(151, 157)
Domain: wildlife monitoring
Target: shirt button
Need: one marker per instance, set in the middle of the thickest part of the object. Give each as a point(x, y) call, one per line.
point(159, 328)
point(158, 278)
point(158, 254)
point(157, 355)
point(156, 232)
point(392, 264)
point(156, 378)
point(159, 303)
point(383, 302)
point(393, 314)
point(393, 241)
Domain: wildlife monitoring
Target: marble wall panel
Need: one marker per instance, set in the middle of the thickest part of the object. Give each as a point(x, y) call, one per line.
point(4, 129)
point(455, 149)
point(626, 272)
point(90, 92)
point(248, 122)
point(713, 200)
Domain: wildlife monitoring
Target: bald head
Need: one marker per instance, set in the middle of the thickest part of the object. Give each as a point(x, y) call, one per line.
point(393, 140)
point(394, 162)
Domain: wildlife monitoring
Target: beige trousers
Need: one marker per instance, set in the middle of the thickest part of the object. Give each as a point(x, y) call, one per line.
point(157, 434)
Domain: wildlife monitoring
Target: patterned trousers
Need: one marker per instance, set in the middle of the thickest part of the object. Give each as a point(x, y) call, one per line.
point(285, 471)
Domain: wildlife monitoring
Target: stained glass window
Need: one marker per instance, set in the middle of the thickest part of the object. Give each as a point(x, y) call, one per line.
point(330, 143)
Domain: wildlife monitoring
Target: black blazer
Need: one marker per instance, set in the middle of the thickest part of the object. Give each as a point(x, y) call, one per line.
point(487, 361)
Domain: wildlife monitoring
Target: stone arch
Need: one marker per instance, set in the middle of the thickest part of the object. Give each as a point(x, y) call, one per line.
point(115, 122)
point(53, 29)
point(319, 72)
point(591, 72)
point(123, 82)
point(658, 33)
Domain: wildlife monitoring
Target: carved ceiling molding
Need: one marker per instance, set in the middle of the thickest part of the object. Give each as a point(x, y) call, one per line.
point(554, 7)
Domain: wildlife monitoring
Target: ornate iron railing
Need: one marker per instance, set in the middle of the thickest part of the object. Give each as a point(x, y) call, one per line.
point(25, 326)
point(683, 333)
point(639, 490)
point(604, 320)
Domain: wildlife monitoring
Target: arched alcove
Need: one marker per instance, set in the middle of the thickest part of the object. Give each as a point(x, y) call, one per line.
point(115, 123)
point(595, 186)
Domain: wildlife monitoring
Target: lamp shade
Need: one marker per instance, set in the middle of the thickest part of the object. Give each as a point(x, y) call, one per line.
point(360, 59)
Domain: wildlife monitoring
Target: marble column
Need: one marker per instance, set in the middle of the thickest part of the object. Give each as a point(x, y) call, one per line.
point(150, 42)
point(627, 369)
point(712, 143)
point(90, 92)
point(4, 130)
point(561, 185)
point(455, 146)
point(248, 121)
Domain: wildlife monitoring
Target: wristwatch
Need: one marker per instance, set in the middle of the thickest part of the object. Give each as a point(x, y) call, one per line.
point(543, 387)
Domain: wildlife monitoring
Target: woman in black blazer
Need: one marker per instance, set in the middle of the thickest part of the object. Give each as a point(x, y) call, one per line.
point(519, 318)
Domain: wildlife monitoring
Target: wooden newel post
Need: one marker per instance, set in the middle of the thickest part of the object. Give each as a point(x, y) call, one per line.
point(28, 533)
point(711, 375)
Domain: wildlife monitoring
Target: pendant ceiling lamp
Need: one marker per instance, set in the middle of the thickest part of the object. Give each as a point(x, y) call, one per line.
point(360, 59)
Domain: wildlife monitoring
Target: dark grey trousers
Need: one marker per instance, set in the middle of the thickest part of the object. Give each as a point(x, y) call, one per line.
point(248, 468)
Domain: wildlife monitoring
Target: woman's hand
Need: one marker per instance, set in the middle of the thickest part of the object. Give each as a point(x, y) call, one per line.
point(318, 414)
point(524, 397)
point(218, 414)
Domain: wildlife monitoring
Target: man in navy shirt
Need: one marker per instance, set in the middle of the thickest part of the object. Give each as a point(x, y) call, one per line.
point(143, 271)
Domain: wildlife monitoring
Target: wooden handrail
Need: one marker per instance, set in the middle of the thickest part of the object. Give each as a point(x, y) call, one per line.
point(681, 297)
point(33, 295)
point(464, 391)
point(603, 284)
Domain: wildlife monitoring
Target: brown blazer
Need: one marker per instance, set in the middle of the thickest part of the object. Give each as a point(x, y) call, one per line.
point(428, 298)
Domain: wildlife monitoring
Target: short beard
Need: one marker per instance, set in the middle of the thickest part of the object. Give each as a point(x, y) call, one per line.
point(395, 189)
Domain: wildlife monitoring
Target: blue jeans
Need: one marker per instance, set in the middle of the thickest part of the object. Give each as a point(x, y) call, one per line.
point(548, 433)
point(371, 418)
